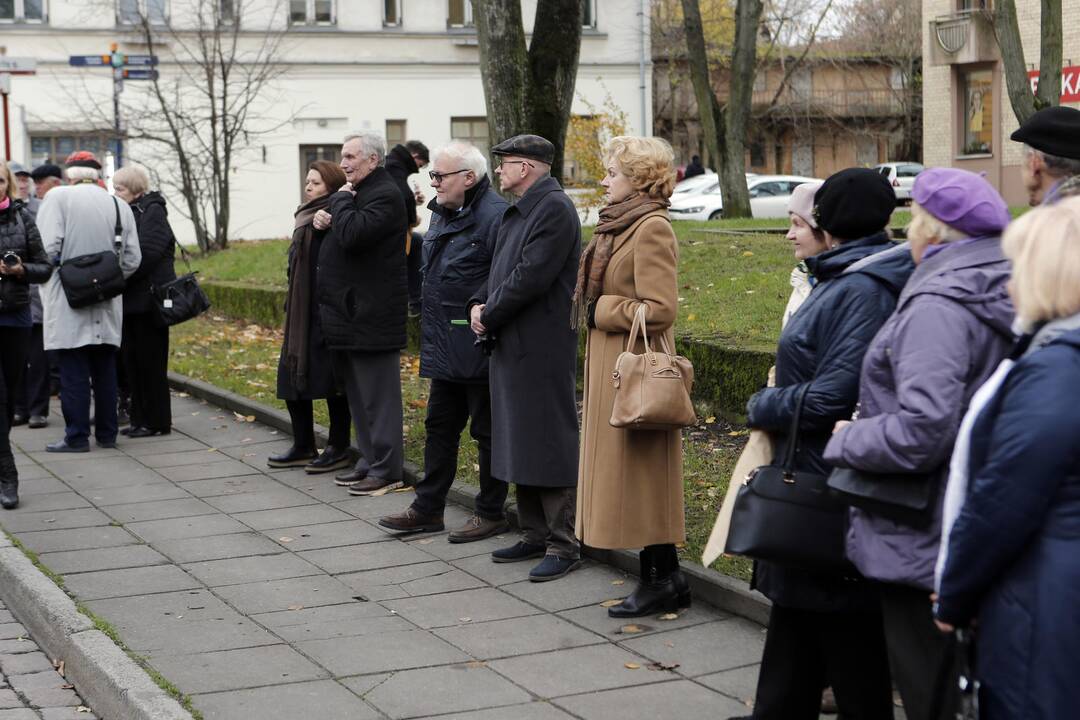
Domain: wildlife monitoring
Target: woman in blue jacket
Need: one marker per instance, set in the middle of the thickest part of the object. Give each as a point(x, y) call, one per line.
point(825, 627)
point(1009, 556)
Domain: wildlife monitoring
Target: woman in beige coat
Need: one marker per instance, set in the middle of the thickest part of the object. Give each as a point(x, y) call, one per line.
point(630, 489)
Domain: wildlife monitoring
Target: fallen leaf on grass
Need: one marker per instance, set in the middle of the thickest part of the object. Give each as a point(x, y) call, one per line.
point(610, 603)
point(710, 420)
point(631, 666)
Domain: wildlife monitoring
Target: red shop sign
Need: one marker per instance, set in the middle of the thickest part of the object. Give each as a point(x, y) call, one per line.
point(1070, 83)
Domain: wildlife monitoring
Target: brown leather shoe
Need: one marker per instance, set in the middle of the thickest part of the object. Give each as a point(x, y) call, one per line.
point(350, 478)
point(478, 528)
point(412, 521)
point(371, 485)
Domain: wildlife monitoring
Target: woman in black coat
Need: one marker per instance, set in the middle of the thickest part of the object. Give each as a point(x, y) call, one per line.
point(304, 369)
point(825, 627)
point(22, 261)
point(144, 345)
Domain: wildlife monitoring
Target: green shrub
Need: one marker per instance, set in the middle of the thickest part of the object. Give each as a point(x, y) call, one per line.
point(262, 306)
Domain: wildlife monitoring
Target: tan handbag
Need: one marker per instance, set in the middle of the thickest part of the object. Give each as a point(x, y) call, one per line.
point(652, 391)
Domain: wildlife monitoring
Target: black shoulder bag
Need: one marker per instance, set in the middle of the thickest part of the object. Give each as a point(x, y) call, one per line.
point(180, 299)
point(903, 497)
point(94, 278)
point(786, 516)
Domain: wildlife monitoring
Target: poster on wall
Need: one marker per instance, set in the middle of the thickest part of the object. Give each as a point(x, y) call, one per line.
point(1070, 83)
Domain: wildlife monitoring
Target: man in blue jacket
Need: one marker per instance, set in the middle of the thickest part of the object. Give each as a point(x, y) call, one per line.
point(457, 256)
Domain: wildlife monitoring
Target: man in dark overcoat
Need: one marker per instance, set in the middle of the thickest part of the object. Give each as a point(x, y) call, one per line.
point(363, 300)
point(524, 312)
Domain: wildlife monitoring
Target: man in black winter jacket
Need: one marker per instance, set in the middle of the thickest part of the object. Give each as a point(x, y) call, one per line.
point(402, 162)
point(362, 299)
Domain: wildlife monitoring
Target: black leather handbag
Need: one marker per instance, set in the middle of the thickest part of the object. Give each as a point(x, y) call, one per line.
point(180, 299)
point(96, 277)
point(903, 497)
point(789, 517)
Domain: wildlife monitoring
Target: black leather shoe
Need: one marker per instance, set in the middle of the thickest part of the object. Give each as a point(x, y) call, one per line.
point(144, 432)
point(350, 478)
point(682, 588)
point(38, 421)
point(18, 420)
point(128, 430)
point(293, 457)
point(331, 459)
point(647, 599)
point(9, 483)
point(61, 446)
point(553, 567)
point(518, 552)
point(107, 444)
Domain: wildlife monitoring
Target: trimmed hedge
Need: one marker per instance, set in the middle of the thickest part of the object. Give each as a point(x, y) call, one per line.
point(724, 377)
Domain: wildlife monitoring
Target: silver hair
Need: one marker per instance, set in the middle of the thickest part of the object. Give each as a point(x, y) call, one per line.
point(79, 172)
point(371, 143)
point(1060, 167)
point(467, 156)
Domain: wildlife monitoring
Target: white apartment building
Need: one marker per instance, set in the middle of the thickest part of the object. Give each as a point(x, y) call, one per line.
point(405, 68)
point(967, 115)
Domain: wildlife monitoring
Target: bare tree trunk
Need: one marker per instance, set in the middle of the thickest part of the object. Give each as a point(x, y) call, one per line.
point(1024, 102)
point(1049, 93)
point(708, 108)
point(529, 90)
point(737, 113)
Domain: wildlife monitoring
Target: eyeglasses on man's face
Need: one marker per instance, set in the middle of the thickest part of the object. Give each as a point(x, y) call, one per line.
point(513, 162)
point(437, 178)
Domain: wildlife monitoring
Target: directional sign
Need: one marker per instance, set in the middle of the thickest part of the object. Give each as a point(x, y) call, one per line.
point(140, 60)
point(89, 60)
point(17, 65)
point(138, 74)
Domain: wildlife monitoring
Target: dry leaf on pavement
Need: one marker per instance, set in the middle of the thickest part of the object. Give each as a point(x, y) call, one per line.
point(631, 666)
point(610, 603)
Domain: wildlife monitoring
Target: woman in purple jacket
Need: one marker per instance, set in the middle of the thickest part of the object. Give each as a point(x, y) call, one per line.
point(951, 328)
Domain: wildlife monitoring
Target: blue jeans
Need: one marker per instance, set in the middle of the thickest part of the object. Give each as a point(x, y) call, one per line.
point(81, 368)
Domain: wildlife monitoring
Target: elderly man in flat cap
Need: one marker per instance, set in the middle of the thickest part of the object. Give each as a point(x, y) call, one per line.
point(1051, 167)
point(522, 310)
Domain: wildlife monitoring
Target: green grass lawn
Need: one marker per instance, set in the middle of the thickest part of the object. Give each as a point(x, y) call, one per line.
point(243, 358)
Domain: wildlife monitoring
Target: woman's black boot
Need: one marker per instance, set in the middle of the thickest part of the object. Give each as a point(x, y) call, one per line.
point(9, 483)
point(293, 457)
point(656, 592)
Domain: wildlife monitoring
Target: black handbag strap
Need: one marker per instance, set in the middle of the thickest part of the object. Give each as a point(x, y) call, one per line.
point(118, 229)
point(793, 434)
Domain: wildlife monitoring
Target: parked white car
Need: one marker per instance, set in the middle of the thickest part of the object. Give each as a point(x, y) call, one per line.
point(768, 198)
point(901, 175)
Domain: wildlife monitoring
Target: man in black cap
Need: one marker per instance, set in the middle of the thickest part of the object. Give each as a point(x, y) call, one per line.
point(45, 178)
point(1051, 167)
point(524, 311)
point(23, 190)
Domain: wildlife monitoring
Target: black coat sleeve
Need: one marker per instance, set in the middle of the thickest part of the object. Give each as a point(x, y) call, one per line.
point(481, 295)
point(155, 241)
point(543, 257)
point(359, 228)
point(857, 311)
point(37, 267)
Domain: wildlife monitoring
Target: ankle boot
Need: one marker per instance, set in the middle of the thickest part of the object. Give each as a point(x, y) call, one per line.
point(9, 483)
point(655, 593)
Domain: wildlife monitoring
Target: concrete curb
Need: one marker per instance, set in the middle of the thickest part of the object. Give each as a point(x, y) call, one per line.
point(114, 684)
point(722, 591)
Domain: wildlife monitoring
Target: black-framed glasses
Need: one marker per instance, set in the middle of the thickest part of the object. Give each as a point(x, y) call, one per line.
point(512, 162)
point(437, 178)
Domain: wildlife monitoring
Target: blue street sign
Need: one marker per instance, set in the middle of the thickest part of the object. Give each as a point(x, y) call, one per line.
point(140, 74)
point(140, 60)
point(89, 60)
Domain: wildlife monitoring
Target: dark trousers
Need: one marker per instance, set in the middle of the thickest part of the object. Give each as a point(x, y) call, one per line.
point(546, 516)
point(302, 414)
point(805, 651)
point(81, 368)
point(13, 344)
point(450, 406)
point(373, 386)
point(145, 352)
point(33, 398)
point(918, 654)
point(413, 261)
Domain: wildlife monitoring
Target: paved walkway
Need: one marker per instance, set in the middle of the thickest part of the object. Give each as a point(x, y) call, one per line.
point(30, 687)
point(275, 595)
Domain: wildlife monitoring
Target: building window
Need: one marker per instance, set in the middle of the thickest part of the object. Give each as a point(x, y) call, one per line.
point(227, 11)
point(22, 11)
point(392, 13)
point(459, 13)
point(311, 12)
point(473, 130)
point(55, 148)
point(132, 12)
point(588, 14)
point(977, 94)
point(395, 133)
point(757, 154)
point(311, 153)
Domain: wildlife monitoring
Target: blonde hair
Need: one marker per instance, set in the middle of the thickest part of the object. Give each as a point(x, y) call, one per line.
point(924, 226)
point(1044, 246)
point(648, 162)
point(10, 194)
point(134, 178)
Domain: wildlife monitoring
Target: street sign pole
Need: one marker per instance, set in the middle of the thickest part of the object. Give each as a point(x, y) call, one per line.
point(117, 62)
point(12, 66)
point(7, 129)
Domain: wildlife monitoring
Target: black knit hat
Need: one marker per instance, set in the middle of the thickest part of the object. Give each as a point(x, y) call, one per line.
point(854, 203)
point(1053, 130)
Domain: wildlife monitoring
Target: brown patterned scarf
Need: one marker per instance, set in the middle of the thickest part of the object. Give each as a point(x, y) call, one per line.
point(594, 260)
point(298, 305)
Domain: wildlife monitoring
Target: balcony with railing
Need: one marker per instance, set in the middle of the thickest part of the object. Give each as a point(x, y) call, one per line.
point(850, 103)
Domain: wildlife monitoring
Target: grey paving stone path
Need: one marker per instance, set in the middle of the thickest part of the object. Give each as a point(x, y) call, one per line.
point(30, 687)
point(273, 594)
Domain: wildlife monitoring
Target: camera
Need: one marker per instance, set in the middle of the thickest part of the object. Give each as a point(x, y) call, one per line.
point(11, 259)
